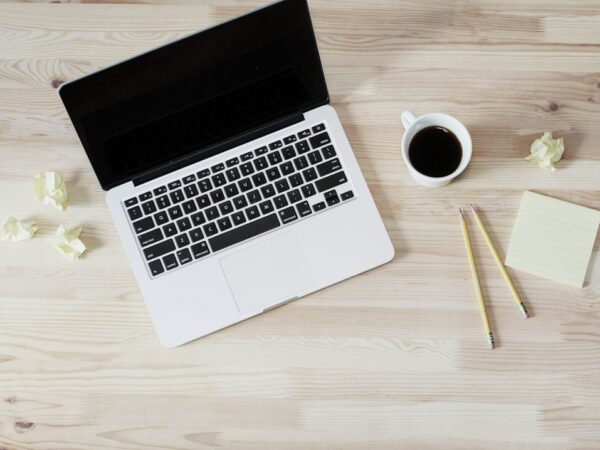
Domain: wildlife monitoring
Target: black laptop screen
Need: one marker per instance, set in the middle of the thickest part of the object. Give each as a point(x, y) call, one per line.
point(183, 97)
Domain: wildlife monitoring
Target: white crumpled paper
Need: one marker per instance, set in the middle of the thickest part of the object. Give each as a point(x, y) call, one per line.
point(68, 243)
point(51, 189)
point(15, 230)
point(545, 151)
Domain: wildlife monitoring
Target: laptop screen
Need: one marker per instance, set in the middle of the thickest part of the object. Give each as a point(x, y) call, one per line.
point(198, 91)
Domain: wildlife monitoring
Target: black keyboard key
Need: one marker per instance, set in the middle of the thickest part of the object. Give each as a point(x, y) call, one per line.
point(145, 196)
point(184, 256)
point(259, 179)
point(131, 201)
point(231, 190)
point(217, 167)
point(210, 229)
point(319, 127)
point(232, 162)
point(184, 224)
point(240, 202)
point(303, 134)
point(245, 184)
point(177, 196)
point(302, 147)
point(170, 261)
point(295, 180)
point(294, 196)
point(233, 174)
point(199, 250)
point(246, 156)
point(254, 196)
point(189, 179)
point(288, 215)
point(203, 201)
point(163, 202)
point(331, 181)
point(301, 163)
point(328, 152)
point(273, 173)
point(238, 218)
point(144, 224)
point(319, 206)
point(161, 217)
point(289, 139)
point(275, 145)
point(203, 173)
point(156, 267)
point(252, 212)
point(196, 235)
point(170, 229)
point(198, 218)
point(211, 213)
point(175, 212)
point(182, 240)
point(308, 190)
point(274, 158)
point(261, 151)
point(219, 179)
point(315, 157)
point(266, 207)
point(190, 191)
point(205, 185)
point(217, 195)
point(149, 207)
point(287, 168)
point(224, 223)
point(347, 195)
point(244, 232)
point(333, 165)
point(332, 199)
point(189, 206)
point(310, 174)
point(288, 152)
point(280, 201)
point(226, 207)
point(150, 237)
point(174, 184)
point(261, 163)
point(134, 213)
point(247, 169)
point(282, 185)
point(303, 209)
point(160, 190)
point(159, 249)
point(267, 191)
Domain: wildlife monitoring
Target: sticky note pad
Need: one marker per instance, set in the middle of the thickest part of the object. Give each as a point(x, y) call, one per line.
point(553, 239)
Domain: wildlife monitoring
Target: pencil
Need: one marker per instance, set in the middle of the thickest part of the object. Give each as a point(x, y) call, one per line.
point(484, 317)
point(492, 247)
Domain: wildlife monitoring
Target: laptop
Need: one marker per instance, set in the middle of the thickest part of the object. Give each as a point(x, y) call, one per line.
point(228, 175)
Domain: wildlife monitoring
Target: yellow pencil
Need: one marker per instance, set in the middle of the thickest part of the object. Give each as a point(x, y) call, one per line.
point(499, 262)
point(484, 317)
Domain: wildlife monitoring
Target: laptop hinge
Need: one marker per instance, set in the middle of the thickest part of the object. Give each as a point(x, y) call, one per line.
point(220, 147)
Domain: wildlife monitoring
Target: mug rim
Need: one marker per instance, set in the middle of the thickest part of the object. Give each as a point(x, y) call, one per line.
point(466, 159)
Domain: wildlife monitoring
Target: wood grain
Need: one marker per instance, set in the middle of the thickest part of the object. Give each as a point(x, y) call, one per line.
point(392, 359)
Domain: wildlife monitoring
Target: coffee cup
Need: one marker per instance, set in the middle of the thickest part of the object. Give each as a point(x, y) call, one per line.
point(436, 148)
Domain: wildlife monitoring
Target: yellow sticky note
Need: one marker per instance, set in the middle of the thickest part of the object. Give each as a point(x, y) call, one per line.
point(553, 239)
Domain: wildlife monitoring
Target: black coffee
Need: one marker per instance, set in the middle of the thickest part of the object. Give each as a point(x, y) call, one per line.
point(435, 152)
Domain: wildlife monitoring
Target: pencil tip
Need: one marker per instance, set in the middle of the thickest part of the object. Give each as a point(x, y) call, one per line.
point(473, 207)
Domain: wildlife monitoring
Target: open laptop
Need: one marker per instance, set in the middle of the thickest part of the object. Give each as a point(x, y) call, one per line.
point(229, 177)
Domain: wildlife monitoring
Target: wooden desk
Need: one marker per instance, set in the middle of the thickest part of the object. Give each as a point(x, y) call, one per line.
point(394, 358)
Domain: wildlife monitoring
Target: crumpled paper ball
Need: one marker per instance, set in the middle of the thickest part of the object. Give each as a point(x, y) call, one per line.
point(545, 151)
point(14, 230)
point(50, 188)
point(68, 243)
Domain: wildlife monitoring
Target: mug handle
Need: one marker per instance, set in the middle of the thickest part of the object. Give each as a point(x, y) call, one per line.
point(407, 118)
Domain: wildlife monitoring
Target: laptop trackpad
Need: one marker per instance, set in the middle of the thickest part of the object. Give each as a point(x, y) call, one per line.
point(268, 273)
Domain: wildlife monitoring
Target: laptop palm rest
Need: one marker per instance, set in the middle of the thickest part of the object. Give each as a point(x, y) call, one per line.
point(267, 273)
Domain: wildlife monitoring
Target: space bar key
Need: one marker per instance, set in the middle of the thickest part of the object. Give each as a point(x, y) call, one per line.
point(244, 232)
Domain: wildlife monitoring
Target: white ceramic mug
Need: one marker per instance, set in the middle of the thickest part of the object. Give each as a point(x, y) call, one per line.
point(412, 125)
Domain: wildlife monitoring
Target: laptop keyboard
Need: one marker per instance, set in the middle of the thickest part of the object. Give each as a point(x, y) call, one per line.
point(245, 196)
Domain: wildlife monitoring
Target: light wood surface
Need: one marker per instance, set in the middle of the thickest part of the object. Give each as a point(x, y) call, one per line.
point(394, 358)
